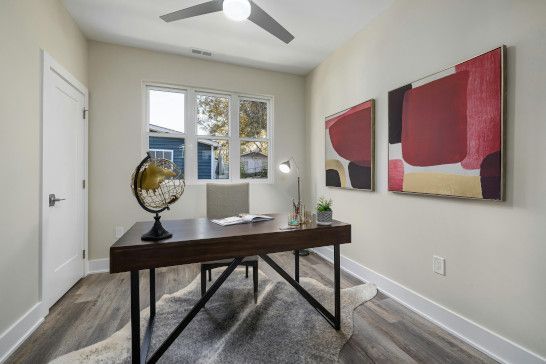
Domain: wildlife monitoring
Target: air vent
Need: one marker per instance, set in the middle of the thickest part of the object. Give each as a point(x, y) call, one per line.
point(201, 52)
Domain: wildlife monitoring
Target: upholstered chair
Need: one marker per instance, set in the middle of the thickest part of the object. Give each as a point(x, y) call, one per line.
point(224, 200)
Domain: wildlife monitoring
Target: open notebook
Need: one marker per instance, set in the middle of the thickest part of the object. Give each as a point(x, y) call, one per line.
point(241, 219)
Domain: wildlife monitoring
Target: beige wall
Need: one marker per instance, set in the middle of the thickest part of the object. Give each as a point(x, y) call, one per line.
point(116, 74)
point(26, 26)
point(496, 252)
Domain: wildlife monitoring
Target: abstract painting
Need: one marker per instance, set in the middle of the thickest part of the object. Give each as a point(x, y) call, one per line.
point(350, 148)
point(446, 131)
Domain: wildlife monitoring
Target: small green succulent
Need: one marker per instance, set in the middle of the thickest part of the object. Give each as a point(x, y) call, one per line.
point(324, 204)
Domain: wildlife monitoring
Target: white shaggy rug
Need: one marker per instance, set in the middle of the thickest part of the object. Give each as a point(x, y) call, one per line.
point(282, 328)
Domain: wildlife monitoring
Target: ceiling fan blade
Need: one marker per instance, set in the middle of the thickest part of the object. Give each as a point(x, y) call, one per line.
point(262, 19)
point(196, 10)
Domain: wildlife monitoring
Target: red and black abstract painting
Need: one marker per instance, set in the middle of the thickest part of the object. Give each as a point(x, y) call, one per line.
point(446, 131)
point(350, 148)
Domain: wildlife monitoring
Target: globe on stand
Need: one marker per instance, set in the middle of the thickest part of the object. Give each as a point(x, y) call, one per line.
point(157, 184)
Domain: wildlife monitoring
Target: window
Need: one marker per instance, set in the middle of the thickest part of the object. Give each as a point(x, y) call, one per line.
point(254, 142)
point(162, 154)
point(210, 135)
point(167, 110)
point(212, 115)
point(212, 159)
point(213, 131)
point(166, 124)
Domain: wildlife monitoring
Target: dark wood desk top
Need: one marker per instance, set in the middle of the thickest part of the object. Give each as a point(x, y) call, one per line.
point(199, 240)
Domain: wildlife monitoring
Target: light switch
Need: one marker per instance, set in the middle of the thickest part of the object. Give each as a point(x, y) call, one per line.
point(439, 265)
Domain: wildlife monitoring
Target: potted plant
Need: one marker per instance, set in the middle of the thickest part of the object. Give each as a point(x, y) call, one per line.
point(324, 211)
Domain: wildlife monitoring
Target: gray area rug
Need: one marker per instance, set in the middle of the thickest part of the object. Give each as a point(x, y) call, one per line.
point(281, 328)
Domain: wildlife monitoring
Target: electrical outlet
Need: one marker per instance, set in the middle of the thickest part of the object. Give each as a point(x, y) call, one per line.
point(119, 231)
point(439, 265)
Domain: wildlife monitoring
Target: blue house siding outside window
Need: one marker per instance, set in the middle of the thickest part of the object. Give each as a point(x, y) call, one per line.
point(204, 161)
point(174, 144)
point(204, 154)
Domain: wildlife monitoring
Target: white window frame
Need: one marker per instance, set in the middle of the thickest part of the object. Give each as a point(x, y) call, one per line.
point(268, 139)
point(190, 135)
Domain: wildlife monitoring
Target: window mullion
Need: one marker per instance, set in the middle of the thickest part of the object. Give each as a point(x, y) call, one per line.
point(212, 137)
point(191, 140)
point(266, 140)
point(235, 148)
point(270, 157)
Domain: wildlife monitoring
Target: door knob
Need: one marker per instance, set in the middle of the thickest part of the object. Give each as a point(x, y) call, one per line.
point(53, 199)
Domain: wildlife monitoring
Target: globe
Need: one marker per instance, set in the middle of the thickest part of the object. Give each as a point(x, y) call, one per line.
point(157, 184)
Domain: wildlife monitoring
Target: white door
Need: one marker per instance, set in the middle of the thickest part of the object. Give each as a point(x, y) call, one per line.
point(63, 196)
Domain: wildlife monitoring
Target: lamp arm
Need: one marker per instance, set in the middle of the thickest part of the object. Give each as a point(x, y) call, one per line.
point(293, 164)
point(299, 178)
point(299, 193)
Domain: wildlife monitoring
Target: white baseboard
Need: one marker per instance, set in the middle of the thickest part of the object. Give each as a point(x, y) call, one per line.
point(14, 336)
point(492, 344)
point(99, 266)
point(17, 333)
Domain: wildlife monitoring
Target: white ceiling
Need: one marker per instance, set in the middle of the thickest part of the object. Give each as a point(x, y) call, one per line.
point(319, 27)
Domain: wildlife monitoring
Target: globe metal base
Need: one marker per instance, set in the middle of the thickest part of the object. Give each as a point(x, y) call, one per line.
point(157, 232)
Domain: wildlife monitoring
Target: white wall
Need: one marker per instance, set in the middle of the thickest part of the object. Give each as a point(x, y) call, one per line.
point(496, 252)
point(116, 74)
point(26, 26)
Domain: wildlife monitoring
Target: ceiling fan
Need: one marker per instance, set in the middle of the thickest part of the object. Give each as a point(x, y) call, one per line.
point(237, 10)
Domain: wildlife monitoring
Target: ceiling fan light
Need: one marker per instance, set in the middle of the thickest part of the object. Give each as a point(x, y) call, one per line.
point(237, 10)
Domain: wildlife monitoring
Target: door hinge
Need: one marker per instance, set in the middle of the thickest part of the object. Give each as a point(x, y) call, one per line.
point(85, 113)
point(83, 254)
point(83, 184)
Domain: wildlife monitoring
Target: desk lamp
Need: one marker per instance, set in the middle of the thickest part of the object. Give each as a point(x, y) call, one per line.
point(286, 167)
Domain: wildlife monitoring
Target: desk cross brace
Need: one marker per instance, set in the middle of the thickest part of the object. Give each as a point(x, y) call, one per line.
point(140, 352)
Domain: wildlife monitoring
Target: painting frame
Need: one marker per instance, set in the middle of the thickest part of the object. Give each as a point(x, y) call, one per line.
point(372, 187)
point(502, 136)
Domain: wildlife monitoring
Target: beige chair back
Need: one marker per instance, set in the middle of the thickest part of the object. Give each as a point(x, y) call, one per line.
point(224, 200)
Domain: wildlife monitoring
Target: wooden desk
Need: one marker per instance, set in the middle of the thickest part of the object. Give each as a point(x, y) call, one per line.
point(199, 240)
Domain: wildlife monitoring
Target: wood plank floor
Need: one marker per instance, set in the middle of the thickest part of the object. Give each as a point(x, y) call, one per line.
point(384, 331)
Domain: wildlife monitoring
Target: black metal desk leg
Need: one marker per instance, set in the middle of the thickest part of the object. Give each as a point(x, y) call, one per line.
point(255, 280)
point(193, 312)
point(135, 318)
point(203, 280)
point(152, 293)
point(337, 288)
point(297, 265)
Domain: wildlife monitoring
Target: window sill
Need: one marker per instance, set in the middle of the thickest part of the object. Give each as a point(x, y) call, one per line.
point(220, 181)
